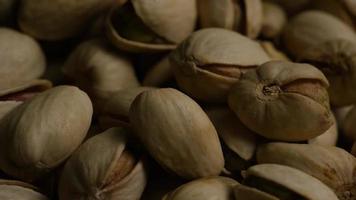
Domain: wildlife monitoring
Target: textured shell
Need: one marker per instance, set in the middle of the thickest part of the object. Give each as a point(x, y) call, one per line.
point(213, 46)
point(164, 16)
point(329, 137)
point(274, 19)
point(294, 180)
point(177, 133)
point(221, 14)
point(99, 70)
point(249, 193)
point(283, 116)
point(58, 19)
point(41, 133)
point(233, 133)
point(204, 189)
point(11, 190)
point(331, 165)
point(21, 58)
point(86, 174)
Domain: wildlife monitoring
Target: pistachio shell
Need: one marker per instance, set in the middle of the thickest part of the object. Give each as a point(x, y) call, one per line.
point(103, 168)
point(284, 180)
point(41, 133)
point(15, 91)
point(161, 18)
point(273, 52)
point(160, 73)
point(238, 139)
point(329, 137)
point(177, 133)
point(274, 19)
point(348, 126)
point(116, 109)
point(11, 190)
point(7, 106)
point(58, 19)
point(21, 58)
point(329, 44)
point(99, 70)
point(332, 165)
point(221, 14)
point(283, 101)
point(254, 17)
point(248, 193)
point(204, 189)
point(208, 62)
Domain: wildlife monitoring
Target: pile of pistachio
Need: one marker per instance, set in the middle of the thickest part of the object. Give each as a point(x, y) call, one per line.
point(177, 100)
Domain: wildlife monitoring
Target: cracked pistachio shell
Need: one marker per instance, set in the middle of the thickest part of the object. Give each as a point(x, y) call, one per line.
point(348, 125)
point(333, 166)
point(16, 190)
point(99, 70)
point(103, 168)
point(329, 44)
point(284, 182)
point(41, 133)
point(177, 133)
point(239, 142)
point(329, 137)
point(159, 74)
point(58, 19)
point(274, 19)
point(211, 188)
point(211, 60)
point(116, 109)
point(283, 101)
point(22, 59)
point(147, 26)
point(273, 52)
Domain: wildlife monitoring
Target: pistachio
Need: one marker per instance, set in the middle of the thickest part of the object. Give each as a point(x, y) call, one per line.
point(41, 133)
point(177, 133)
point(104, 167)
point(238, 142)
point(99, 70)
point(283, 101)
point(209, 61)
point(274, 19)
point(330, 45)
point(159, 74)
point(332, 165)
point(329, 137)
point(57, 20)
point(116, 109)
point(204, 189)
point(272, 182)
point(143, 26)
point(7, 106)
point(273, 52)
point(11, 190)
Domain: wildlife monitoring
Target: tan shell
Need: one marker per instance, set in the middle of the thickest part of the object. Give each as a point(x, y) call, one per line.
point(41, 133)
point(163, 18)
point(212, 188)
point(103, 168)
point(58, 19)
point(348, 126)
point(295, 181)
point(99, 70)
point(115, 111)
point(16, 190)
point(273, 52)
point(274, 19)
point(7, 106)
point(210, 60)
point(248, 193)
point(159, 74)
point(331, 165)
point(253, 17)
point(22, 59)
point(239, 140)
point(329, 44)
point(329, 137)
point(22, 87)
point(177, 133)
point(283, 101)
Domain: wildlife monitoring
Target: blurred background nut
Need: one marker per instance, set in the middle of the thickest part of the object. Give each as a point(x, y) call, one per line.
point(330, 45)
point(41, 133)
point(104, 167)
point(274, 19)
point(283, 101)
point(11, 190)
point(100, 71)
point(144, 26)
point(211, 60)
point(204, 189)
point(177, 133)
point(333, 166)
point(272, 182)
